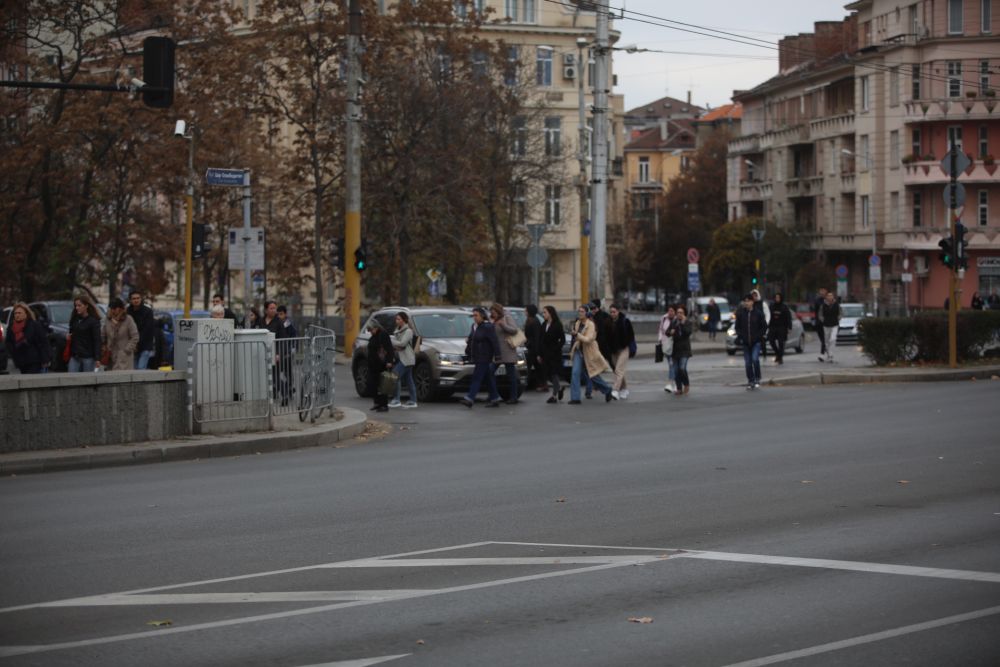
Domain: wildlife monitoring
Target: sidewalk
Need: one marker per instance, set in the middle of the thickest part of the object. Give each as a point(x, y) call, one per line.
point(289, 433)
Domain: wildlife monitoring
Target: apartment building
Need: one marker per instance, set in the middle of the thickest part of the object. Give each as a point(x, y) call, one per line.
point(844, 146)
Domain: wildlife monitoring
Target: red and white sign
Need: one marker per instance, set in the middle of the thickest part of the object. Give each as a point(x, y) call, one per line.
point(693, 256)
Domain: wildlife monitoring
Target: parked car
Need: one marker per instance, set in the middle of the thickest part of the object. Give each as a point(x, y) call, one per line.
point(804, 313)
point(796, 338)
point(164, 351)
point(442, 367)
point(850, 315)
point(699, 304)
point(54, 317)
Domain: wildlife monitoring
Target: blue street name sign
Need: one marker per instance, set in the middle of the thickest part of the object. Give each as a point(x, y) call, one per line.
point(694, 282)
point(225, 177)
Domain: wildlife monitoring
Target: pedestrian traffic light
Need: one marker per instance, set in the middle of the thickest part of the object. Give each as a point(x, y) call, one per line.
point(197, 241)
point(961, 256)
point(158, 72)
point(361, 257)
point(338, 253)
point(754, 279)
point(947, 254)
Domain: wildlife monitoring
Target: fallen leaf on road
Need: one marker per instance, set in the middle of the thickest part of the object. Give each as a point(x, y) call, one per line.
point(561, 499)
point(420, 642)
point(808, 481)
point(160, 624)
point(404, 428)
point(640, 619)
point(903, 481)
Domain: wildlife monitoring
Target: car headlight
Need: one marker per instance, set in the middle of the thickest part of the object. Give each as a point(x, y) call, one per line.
point(451, 359)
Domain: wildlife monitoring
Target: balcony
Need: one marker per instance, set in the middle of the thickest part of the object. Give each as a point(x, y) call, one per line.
point(848, 182)
point(979, 107)
point(786, 136)
point(804, 186)
point(744, 145)
point(927, 172)
point(646, 186)
point(755, 190)
point(834, 126)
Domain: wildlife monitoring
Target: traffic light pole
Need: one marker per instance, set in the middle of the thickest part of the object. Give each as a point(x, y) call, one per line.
point(952, 276)
point(352, 163)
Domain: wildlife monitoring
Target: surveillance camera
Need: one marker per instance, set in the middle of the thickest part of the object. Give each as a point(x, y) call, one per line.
point(138, 83)
point(179, 128)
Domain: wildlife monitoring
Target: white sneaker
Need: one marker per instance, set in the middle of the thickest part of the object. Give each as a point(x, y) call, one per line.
point(411, 404)
point(756, 385)
point(623, 394)
point(395, 404)
point(615, 394)
point(670, 387)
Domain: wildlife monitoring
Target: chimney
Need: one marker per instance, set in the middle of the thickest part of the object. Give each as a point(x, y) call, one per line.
point(689, 98)
point(664, 134)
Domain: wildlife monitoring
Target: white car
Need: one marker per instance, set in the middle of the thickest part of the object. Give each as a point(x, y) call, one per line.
point(850, 315)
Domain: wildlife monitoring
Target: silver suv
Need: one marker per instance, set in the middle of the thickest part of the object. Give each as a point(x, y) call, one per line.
point(442, 367)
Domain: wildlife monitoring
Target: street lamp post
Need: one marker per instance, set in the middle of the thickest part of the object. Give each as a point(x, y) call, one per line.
point(871, 221)
point(179, 131)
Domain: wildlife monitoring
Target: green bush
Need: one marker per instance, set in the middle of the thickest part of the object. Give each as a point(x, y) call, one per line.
point(924, 337)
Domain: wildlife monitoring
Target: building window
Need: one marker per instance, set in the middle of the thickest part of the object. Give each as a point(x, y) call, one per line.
point(984, 207)
point(955, 136)
point(520, 203)
point(510, 9)
point(955, 18)
point(865, 154)
point(513, 63)
point(543, 66)
point(984, 141)
point(520, 11)
point(915, 148)
point(480, 65)
point(894, 149)
point(894, 209)
point(553, 204)
point(894, 87)
point(865, 211)
point(916, 209)
point(519, 137)
point(644, 170)
point(915, 91)
point(553, 130)
point(984, 76)
point(986, 16)
point(954, 78)
point(865, 93)
point(546, 280)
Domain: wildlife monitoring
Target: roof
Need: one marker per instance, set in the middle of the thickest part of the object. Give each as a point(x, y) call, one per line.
point(680, 135)
point(725, 112)
point(665, 107)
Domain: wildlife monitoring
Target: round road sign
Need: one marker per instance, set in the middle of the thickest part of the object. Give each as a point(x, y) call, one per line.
point(874, 260)
point(841, 270)
point(693, 256)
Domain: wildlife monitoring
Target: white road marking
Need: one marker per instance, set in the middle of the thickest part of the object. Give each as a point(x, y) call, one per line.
point(867, 639)
point(856, 566)
point(118, 599)
point(452, 562)
point(363, 662)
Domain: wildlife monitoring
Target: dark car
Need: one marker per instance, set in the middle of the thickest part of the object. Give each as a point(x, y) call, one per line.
point(164, 354)
point(54, 316)
point(442, 367)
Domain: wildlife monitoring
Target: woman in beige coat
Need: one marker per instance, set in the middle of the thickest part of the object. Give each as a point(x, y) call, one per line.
point(506, 327)
point(121, 337)
point(587, 358)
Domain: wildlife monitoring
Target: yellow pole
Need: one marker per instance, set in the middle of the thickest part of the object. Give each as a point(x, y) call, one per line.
point(352, 280)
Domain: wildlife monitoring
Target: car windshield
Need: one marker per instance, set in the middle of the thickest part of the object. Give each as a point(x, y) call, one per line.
point(518, 315)
point(59, 313)
point(852, 310)
point(723, 307)
point(443, 325)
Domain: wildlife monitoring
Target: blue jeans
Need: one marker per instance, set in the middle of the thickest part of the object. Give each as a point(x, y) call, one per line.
point(404, 371)
point(680, 369)
point(483, 371)
point(579, 374)
point(142, 360)
point(80, 365)
point(515, 381)
point(751, 359)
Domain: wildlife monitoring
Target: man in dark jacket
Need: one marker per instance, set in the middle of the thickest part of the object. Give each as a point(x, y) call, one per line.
point(283, 351)
point(483, 348)
point(750, 330)
point(781, 324)
point(605, 331)
point(228, 314)
point(533, 348)
point(829, 315)
point(817, 324)
point(142, 315)
point(714, 317)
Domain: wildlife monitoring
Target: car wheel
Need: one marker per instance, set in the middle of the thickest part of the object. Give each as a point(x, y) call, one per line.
point(424, 380)
point(802, 343)
point(362, 386)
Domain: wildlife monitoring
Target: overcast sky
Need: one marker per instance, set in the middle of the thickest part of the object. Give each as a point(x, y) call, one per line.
point(644, 77)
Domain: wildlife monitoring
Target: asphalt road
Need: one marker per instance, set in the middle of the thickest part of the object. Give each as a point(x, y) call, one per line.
point(845, 525)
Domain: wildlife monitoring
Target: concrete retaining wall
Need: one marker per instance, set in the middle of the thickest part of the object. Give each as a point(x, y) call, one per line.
point(60, 410)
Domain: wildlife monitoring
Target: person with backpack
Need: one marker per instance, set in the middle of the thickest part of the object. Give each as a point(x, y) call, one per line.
point(402, 343)
point(623, 347)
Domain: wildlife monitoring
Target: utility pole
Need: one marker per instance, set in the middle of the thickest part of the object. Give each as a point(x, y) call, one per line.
point(581, 44)
point(600, 150)
point(952, 281)
point(352, 162)
point(189, 224)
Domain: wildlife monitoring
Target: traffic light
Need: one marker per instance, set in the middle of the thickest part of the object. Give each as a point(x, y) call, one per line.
point(361, 257)
point(961, 256)
point(754, 280)
point(158, 72)
point(197, 241)
point(338, 253)
point(947, 254)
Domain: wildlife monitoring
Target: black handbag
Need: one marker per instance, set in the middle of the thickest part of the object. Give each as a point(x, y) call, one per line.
point(658, 354)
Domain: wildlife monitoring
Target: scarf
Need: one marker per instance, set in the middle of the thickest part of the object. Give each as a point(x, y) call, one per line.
point(18, 329)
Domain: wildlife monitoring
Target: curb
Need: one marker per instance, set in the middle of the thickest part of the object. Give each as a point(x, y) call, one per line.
point(847, 377)
point(351, 425)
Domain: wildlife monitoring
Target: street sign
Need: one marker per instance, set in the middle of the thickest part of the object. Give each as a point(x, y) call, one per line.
point(758, 234)
point(874, 273)
point(874, 260)
point(435, 288)
point(694, 282)
point(536, 232)
point(433, 274)
point(586, 227)
point(842, 288)
point(224, 177)
point(237, 239)
point(959, 195)
point(537, 256)
point(693, 256)
point(962, 162)
point(841, 271)
point(906, 277)
point(692, 268)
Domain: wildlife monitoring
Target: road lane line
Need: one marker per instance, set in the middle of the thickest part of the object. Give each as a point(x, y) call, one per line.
point(453, 562)
point(867, 639)
point(856, 566)
point(149, 599)
point(362, 662)
point(9, 651)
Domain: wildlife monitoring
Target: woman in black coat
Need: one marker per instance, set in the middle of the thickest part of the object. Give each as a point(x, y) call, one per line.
point(26, 342)
point(381, 358)
point(483, 348)
point(85, 329)
point(550, 354)
point(680, 330)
